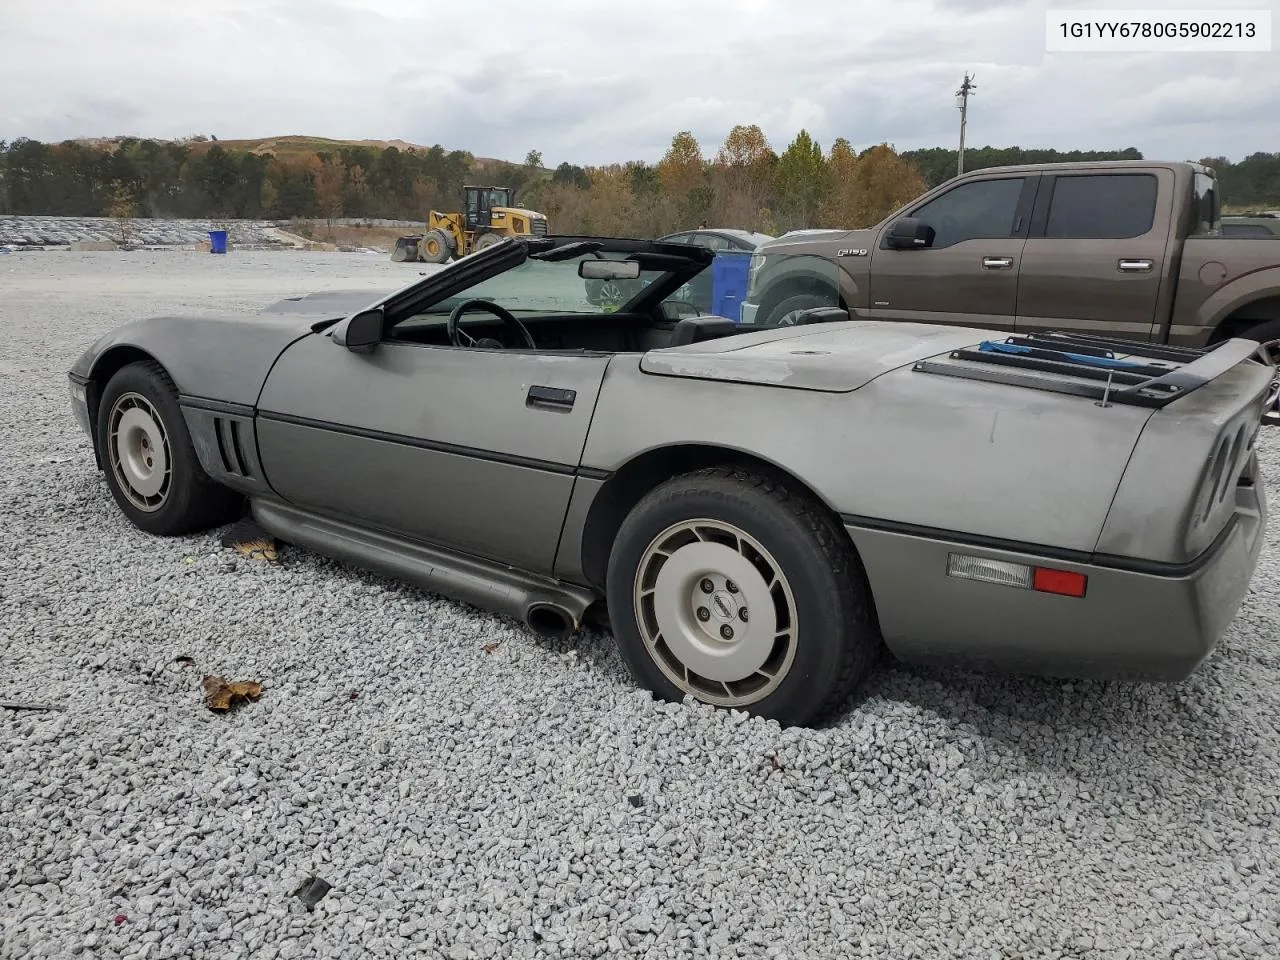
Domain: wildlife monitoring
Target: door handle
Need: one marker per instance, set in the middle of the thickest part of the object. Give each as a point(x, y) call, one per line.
point(553, 398)
point(1134, 266)
point(997, 263)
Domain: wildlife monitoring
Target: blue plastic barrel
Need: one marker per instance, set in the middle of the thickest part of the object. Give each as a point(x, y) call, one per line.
point(729, 283)
point(217, 241)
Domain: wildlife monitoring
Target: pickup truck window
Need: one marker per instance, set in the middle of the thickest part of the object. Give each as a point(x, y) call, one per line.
point(978, 210)
point(1112, 206)
point(1207, 213)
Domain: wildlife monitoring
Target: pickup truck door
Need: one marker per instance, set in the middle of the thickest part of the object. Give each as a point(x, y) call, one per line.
point(969, 276)
point(1097, 256)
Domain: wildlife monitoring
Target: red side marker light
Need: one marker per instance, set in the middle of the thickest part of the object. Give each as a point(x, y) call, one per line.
point(1022, 576)
point(1063, 582)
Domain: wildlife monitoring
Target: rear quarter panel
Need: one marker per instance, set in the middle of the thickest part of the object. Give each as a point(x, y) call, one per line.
point(907, 449)
point(1217, 277)
point(1176, 496)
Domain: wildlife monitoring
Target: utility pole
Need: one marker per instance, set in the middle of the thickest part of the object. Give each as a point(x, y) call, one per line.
point(962, 102)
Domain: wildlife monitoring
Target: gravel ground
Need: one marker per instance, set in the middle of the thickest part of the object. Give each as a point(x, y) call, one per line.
point(472, 791)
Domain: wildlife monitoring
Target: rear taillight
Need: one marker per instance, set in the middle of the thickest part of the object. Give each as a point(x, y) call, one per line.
point(1005, 573)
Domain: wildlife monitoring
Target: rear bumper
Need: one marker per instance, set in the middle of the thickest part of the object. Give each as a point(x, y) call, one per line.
point(1136, 624)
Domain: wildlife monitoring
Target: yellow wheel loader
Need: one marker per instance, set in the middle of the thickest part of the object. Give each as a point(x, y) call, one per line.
point(487, 217)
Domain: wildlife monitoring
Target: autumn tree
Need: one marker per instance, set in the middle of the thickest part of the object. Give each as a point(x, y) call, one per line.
point(330, 179)
point(743, 174)
point(122, 207)
point(680, 170)
point(840, 208)
point(356, 193)
point(884, 182)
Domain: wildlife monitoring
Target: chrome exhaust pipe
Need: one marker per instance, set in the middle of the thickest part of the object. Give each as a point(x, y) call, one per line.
point(550, 620)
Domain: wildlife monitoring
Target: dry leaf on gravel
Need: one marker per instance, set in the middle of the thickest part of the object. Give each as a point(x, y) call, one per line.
point(221, 694)
point(250, 540)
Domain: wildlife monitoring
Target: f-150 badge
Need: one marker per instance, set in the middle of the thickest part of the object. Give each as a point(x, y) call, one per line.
point(851, 253)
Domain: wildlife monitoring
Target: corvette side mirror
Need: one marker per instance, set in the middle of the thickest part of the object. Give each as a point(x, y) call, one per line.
point(361, 332)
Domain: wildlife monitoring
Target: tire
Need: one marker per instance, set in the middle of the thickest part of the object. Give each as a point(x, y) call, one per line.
point(140, 430)
point(1264, 331)
point(434, 247)
point(819, 638)
point(487, 240)
point(783, 313)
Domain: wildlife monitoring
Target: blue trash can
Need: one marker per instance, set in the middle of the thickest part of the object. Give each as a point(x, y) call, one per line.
point(729, 283)
point(217, 241)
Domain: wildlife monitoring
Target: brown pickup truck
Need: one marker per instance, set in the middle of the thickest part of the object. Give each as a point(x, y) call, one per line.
point(1123, 248)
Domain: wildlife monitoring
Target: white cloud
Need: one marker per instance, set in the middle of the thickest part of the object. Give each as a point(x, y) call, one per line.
point(590, 83)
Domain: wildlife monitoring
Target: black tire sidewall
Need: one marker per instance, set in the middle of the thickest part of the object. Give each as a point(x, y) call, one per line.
point(1262, 332)
point(186, 473)
point(798, 301)
point(821, 623)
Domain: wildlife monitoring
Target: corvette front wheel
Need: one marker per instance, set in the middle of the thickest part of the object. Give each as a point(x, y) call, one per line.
point(150, 464)
point(730, 587)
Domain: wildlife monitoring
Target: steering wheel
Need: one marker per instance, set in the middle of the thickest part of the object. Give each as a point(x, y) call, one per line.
point(457, 334)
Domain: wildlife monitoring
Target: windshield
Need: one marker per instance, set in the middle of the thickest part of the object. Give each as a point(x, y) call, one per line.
point(542, 287)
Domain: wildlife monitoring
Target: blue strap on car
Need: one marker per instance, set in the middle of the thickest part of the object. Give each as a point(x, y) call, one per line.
point(991, 346)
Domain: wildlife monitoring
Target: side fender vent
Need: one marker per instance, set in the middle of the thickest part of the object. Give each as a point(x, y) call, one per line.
point(231, 448)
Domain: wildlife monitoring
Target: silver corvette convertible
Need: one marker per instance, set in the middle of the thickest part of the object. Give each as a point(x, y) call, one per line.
point(757, 512)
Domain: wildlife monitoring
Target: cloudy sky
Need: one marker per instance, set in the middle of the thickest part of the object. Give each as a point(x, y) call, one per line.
point(592, 81)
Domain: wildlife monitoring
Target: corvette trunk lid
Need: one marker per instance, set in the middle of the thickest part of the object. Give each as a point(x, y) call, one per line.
point(829, 357)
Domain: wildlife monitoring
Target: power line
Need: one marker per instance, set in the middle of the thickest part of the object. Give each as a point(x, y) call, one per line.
point(962, 101)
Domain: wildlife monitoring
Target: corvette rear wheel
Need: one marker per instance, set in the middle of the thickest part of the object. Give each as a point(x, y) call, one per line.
point(730, 587)
point(150, 464)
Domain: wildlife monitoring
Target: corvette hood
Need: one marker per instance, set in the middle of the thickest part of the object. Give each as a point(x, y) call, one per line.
point(832, 357)
point(214, 357)
point(331, 304)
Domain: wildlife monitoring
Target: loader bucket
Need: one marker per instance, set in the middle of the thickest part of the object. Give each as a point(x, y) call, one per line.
point(406, 249)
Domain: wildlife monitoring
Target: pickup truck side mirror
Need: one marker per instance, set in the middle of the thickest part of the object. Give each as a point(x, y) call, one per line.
point(909, 233)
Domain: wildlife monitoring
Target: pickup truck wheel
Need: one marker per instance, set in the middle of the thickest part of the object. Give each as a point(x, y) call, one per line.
point(151, 466)
point(784, 314)
point(727, 586)
point(1263, 332)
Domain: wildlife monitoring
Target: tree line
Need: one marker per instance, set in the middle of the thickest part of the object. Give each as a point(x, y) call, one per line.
point(746, 183)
